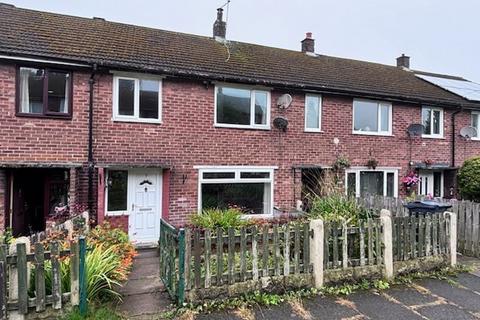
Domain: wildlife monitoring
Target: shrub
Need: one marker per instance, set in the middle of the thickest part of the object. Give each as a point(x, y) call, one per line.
point(337, 208)
point(217, 218)
point(469, 179)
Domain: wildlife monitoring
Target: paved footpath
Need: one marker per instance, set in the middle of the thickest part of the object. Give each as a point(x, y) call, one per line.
point(143, 294)
point(145, 298)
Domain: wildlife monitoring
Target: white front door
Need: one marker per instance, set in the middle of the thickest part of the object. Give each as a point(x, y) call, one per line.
point(431, 183)
point(145, 203)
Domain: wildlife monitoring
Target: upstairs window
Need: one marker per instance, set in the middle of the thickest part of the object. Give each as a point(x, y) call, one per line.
point(137, 99)
point(44, 92)
point(476, 124)
point(242, 108)
point(432, 119)
point(313, 113)
point(372, 117)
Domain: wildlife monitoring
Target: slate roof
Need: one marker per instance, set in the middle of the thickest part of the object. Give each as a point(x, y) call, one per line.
point(129, 47)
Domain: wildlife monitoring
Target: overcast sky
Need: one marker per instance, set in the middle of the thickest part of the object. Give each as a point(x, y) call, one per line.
point(440, 35)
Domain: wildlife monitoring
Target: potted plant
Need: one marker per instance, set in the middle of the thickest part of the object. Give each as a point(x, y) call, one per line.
point(410, 180)
point(428, 162)
point(341, 163)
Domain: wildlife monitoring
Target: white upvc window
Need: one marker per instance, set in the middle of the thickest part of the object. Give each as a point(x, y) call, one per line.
point(250, 189)
point(116, 195)
point(372, 117)
point(432, 120)
point(361, 182)
point(137, 98)
point(313, 113)
point(241, 107)
point(476, 123)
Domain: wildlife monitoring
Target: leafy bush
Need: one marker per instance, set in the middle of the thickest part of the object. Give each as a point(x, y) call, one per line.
point(469, 179)
point(217, 218)
point(337, 208)
point(101, 313)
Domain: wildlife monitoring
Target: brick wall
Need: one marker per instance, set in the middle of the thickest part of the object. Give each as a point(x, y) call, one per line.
point(3, 186)
point(187, 138)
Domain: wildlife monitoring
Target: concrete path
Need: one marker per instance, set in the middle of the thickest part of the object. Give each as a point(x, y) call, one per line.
point(143, 293)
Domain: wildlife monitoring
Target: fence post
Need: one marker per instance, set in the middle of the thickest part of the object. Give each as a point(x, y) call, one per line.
point(181, 266)
point(316, 251)
point(82, 276)
point(453, 238)
point(14, 277)
point(386, 220)
point(74, 274)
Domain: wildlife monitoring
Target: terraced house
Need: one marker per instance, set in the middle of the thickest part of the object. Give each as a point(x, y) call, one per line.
point(138, 123)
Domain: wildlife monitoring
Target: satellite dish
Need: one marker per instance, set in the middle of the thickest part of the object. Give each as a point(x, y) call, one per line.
point(284, 101)
point(468, 132)
point(280, 123)
point(415, 129)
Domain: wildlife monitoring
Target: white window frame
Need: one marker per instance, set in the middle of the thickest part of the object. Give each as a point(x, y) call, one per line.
point(379, 132)
point(478, 124)
point(252, 124)
point(136, 105)
point(385, 171)
point(433, 135)
point(118, 212)
point(237, 172)
point(320, 102)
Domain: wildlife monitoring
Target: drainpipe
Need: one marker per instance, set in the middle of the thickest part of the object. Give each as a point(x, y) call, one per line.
point(91, 163)
point(454, 136)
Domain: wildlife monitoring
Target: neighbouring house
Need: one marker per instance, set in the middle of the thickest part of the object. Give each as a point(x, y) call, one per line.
point(137, 123)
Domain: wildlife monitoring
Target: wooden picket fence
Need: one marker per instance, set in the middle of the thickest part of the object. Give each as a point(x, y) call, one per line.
point(468, 227)
point(417, 237)
point(20, 292)
point(348, 246)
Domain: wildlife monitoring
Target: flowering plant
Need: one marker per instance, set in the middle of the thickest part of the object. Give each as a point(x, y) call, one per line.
point(411, 179)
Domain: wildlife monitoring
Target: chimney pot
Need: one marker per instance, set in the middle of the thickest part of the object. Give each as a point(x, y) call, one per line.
point(403, 61)
point(308, 44)
point(220, 26)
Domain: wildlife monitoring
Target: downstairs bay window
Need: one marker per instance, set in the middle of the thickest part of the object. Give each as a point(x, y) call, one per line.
point(248, 189)
point(363, 182)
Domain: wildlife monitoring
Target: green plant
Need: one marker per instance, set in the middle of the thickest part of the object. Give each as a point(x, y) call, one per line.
point(101, 313)
point(217, 218)
point(341, 163)
point(469, 179)
point(337, 208)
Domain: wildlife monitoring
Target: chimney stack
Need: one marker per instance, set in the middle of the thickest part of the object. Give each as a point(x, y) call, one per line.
point(403, 61)
point(308, 44)
point(220, 26)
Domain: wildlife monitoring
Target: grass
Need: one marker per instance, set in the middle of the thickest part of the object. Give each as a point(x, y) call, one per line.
point(100, 313)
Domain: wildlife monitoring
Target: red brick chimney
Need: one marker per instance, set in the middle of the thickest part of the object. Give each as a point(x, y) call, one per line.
point(220, 26)
point(308, 44)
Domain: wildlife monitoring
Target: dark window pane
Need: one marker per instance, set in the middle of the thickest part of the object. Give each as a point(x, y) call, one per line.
point(371, 183)
point(366, 116)
point(31, 90)
point(117, 190)
point(390, 184)
point(351, 184)
point(427, 121)
point(436, 122)
point(233, 106)
point(58, 91)
point(149, 99)
point(219, 175)
point(248, 197)
point(437, 184)
point(126, 97)
point(260, 107)
point(254, 175)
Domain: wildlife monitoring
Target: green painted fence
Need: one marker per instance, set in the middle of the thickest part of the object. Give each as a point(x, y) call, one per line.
point(24, 276)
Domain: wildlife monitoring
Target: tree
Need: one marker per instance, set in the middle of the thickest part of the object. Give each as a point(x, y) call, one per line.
point(469, 179)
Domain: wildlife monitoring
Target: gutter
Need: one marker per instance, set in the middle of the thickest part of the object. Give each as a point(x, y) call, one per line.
point(454, 136)
point(91, 162)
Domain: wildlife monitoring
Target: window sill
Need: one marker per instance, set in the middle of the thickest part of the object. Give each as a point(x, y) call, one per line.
point(378, 134)
point(43, 116)
point(475, 139)
point(134, 120)
point(426, 136)
point(313, 131)
point(239, 126)
point(116, 213)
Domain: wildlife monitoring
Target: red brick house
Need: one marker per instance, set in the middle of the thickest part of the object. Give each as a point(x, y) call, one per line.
point(137, 123)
